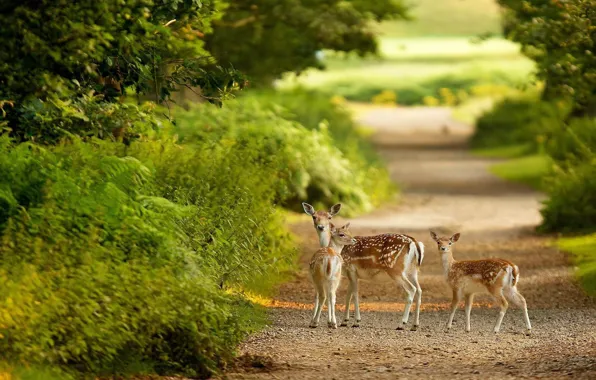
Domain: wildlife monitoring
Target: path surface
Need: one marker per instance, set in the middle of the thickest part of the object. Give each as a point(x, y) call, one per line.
point(445, 188)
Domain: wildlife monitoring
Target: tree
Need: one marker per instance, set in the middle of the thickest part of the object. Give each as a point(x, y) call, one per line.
point(265, 38)
point(560, 35)
point(65, 64)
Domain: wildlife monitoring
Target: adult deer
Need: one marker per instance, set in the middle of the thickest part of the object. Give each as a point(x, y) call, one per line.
point(494, 276)
point(325, 273)
point(398, 255)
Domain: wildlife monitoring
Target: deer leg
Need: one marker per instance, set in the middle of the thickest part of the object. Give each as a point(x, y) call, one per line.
point(313, 321)
point(469, 300)
point(353, 276)
point(414, 277)
point(321, 297)
point(503, 305)
point(514, 296)
point(348, 300)
point(410, 292)
point(454, 302)
point(331, 321)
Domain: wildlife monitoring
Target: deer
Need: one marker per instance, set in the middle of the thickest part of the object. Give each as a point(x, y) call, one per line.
point(398, 255)
point(497, 277)
point(325, 272)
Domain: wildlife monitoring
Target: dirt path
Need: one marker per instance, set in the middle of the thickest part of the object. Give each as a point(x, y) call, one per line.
point(445, 188)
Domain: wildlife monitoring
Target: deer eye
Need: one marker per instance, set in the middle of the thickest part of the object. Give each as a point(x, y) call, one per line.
point(342, 235)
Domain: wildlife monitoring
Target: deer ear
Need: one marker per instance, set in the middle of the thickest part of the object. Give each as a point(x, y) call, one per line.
point(346, 226)
point(335, 209)
point(455, 237)
point(434, 236)
point(308, 209)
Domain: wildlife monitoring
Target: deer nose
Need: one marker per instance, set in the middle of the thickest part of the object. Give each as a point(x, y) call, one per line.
point(321, 227)
point(354, 241)
point(444, 249)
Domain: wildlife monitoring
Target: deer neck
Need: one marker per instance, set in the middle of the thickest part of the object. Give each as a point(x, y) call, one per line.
point(448, 261)
point(336, 247)
point(324, 238)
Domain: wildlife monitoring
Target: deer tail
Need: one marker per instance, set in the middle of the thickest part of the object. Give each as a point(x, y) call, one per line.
point(514, 275)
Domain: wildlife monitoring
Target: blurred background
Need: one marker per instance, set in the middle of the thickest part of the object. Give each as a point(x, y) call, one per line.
point(154, 154)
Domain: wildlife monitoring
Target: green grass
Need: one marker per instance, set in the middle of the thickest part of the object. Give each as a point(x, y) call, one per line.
point(510, 151)
point(583, 251)
point(446, 18)
point(417, 67)
point(529, 170)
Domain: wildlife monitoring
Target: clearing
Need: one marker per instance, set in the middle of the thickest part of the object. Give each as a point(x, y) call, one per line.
point(447, 189)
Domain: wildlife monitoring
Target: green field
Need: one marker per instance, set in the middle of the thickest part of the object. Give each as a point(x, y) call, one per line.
point(417, 58)
point(446, 18)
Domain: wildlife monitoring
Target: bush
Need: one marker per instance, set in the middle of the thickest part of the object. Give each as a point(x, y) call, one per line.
point(518, 121)
point(317, 112)
point(574, 142)
point(113, 255)
point(385, 97)
point(571, 204)
point(412, 91)
point(571, 188)
point(127, 258)
point(309, 166)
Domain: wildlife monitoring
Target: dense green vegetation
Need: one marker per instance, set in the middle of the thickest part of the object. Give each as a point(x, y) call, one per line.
point(133, 230)
point(133, 249)
point(555, 127)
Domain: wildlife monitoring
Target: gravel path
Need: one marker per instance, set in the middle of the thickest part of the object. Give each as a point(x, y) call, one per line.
point(447, 189)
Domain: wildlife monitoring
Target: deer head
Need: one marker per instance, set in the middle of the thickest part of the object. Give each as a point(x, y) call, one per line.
point(322, 221)
point(342, 236)
point(444, 243)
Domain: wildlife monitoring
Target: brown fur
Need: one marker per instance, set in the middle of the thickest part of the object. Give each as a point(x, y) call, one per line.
point(385, 249)
point(489, 273)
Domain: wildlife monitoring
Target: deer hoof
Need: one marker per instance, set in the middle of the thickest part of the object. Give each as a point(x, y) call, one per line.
point(528, 332)
point(313, 325)
point(402, 327)
point(332, 325)
point(344, 323)
point(414, 328)
point(356, 324)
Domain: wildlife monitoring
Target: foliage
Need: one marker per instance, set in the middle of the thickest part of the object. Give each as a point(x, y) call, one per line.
point(266, 38)
point(571, 206)
point(316, 111)
point(560, 37)
point(63, 60)
point(523, 120)
point(572, 187)
point(451, 88)
point(385, 97)
point(113, 255)
point(583, 251)
point(309, 166)
point(574, 142)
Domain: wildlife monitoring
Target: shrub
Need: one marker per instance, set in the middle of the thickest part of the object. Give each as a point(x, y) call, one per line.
point(385, 97)
point(575, 141)
point(518, 121)
point(112, 255)
point(317, 112)
point(309, 166)
point(571, 203)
